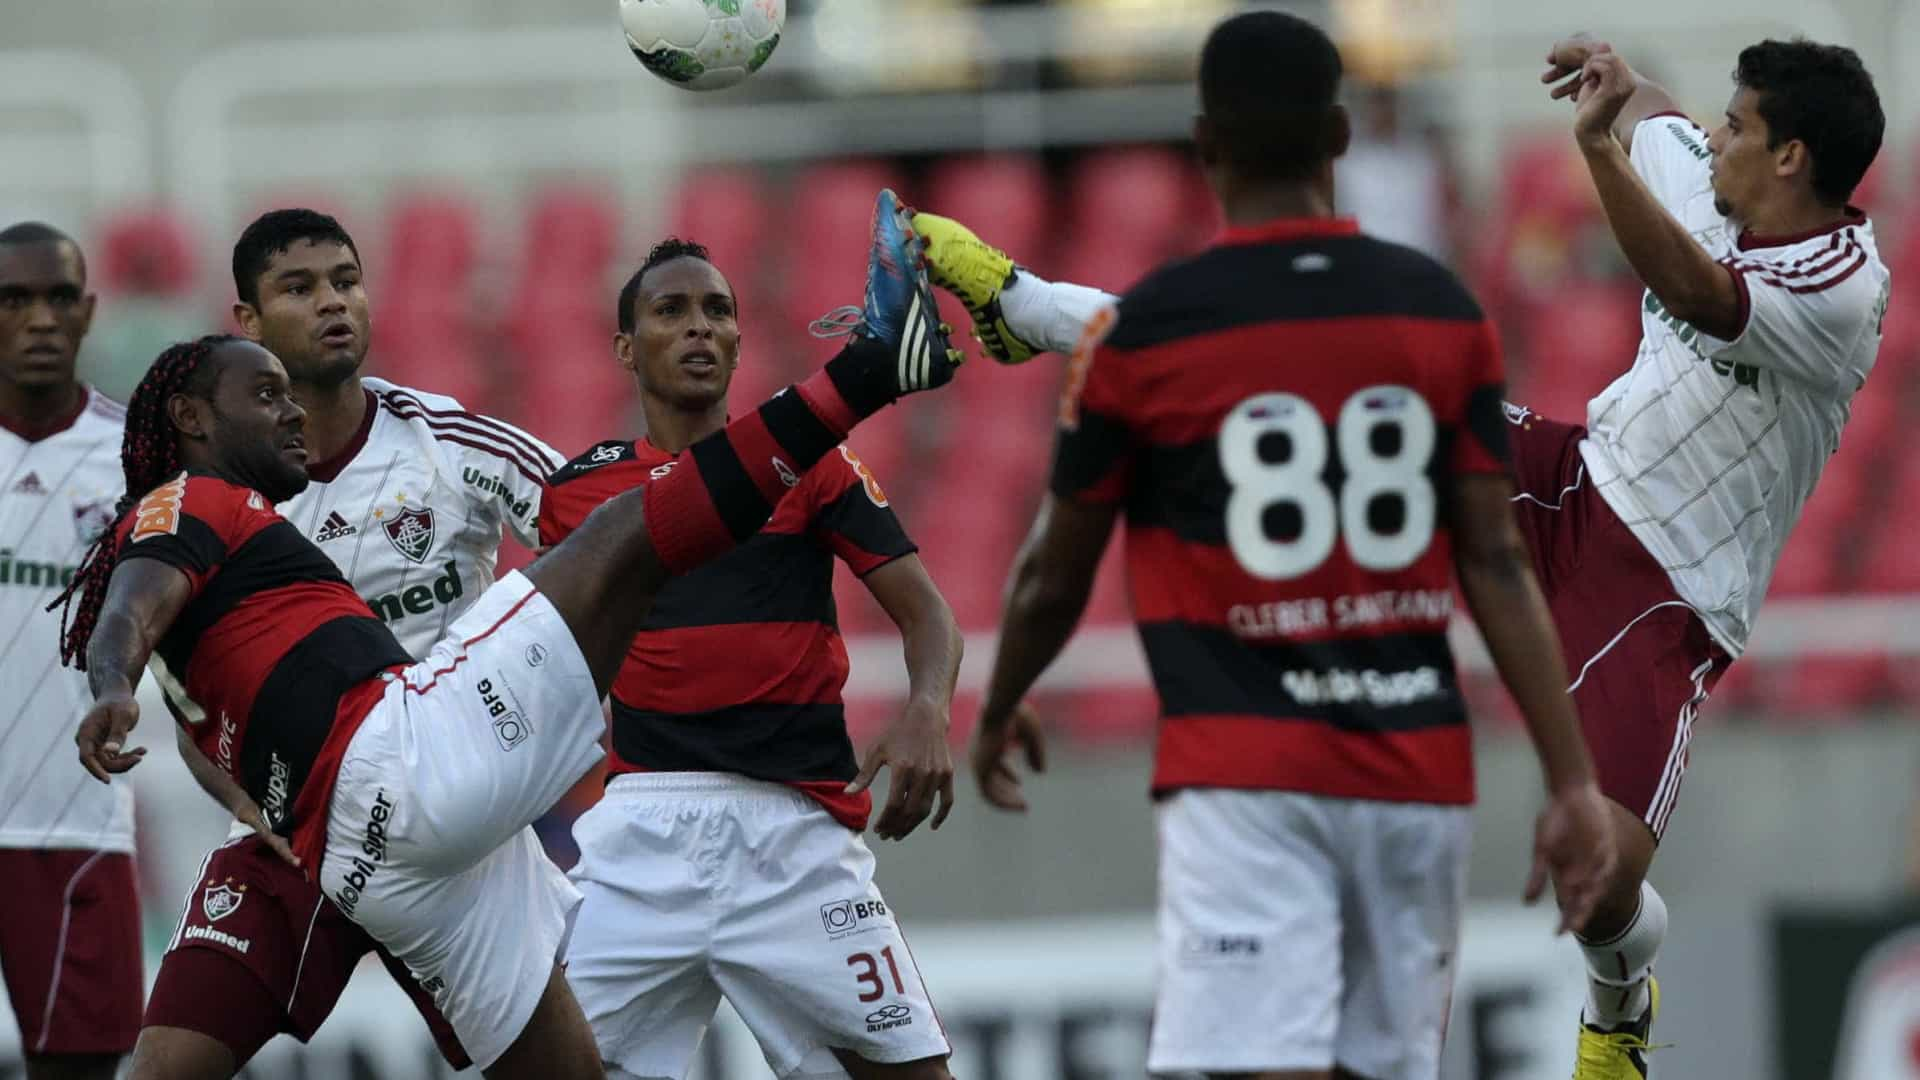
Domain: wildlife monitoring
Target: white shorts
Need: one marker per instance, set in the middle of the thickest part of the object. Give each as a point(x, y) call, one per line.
point(1298, 932)
point(428, 844)
point(703, 884)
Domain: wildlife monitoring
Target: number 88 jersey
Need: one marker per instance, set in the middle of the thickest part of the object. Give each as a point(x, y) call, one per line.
point(1280, 419)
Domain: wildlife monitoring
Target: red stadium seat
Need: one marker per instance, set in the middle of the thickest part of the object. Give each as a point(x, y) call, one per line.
point(1004, 197)
point(430, 242)
point(425, 327)
point(147, 252)
point(1132, 210)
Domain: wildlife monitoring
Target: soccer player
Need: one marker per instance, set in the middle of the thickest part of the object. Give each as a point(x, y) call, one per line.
point(70, 920)
point(729, 740)
point(409, 495)
point(1655, 529)
point(1304, 427)
point(408, 786)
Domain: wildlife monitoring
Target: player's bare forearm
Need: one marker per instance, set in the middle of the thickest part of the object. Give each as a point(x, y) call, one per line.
point(1669, 261)
point(1046, 595)
point(1649, 99)
point(144, 597)
point(1496, 577)
point(116, 654)
point(929, 636)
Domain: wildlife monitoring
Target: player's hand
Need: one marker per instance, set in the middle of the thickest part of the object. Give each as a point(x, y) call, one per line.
point(992, 744)
point(1573, 844)
point(248, 814)
point(103, 734)
point(1605, 84)
point(914, 748)
point(1567, 57)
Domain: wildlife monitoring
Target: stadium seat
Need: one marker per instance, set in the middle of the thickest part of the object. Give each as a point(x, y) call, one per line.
point(1004, 196)
point(1131, 210)
point(425, 331)
point(147, 252)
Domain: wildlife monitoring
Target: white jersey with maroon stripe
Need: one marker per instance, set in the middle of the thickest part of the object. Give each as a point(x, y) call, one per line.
point(1708, 449)
point(56, 495)
point(414, 510)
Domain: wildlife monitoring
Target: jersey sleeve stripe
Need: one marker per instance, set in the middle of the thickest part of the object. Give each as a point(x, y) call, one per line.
point(1830, 257)
point(1803, 284)
point(490, 449)
point(480, 438)
point(542, 459)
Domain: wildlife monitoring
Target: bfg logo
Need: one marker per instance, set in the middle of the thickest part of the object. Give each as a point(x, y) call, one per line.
point(844, 917)
point(510, 729)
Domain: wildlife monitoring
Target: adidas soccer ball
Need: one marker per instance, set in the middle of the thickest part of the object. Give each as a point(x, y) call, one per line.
point(703, 44)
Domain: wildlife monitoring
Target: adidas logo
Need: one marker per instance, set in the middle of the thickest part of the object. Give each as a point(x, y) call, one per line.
point(30, 485)
point(334, 528)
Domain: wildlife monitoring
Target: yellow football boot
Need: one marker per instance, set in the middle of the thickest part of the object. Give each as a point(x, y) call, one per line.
point(976, 272)
point(1620, 1054)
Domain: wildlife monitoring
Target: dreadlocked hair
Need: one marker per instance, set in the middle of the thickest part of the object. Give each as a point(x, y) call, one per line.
point(149, 457)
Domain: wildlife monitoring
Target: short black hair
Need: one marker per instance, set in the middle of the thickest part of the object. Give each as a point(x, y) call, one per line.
point(272, 233)
point(39, 232)
point(1823, 96)
point(665, 251)
point(34, 232)
point(1269, 84)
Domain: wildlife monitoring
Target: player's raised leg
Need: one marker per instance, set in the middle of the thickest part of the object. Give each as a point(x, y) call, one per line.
point(605, 574)
point(1015, 314)
point(425, 843)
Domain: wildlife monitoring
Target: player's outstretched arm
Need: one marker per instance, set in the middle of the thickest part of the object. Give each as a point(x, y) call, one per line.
point(1568, 58)
point(1573, 839)
point(914, 747)
point(144, 597)
point(1046, 595)
point(1673, 266)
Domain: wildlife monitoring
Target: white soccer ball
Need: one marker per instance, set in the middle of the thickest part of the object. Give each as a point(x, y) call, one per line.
point(703, 44)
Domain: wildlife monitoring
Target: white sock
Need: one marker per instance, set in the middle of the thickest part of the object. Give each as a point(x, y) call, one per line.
point(1618, 967)
point(1049, 315)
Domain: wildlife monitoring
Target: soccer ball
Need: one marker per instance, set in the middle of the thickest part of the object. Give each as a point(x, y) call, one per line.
point(703, 44)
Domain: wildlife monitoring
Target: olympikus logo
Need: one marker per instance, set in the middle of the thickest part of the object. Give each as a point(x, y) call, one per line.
point(30, 485)
point(485, 482)
point(334, 528)
point(35, 574)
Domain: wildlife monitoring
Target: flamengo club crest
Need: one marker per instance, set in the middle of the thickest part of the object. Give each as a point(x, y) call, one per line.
point(411, 531)
point(219, 901)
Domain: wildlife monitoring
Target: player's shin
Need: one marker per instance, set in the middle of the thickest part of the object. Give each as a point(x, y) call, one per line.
point(1620, 963)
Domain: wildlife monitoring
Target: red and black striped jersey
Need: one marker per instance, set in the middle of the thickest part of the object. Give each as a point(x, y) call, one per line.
point(739, 666)
point(274, 648)
point(1280, 418)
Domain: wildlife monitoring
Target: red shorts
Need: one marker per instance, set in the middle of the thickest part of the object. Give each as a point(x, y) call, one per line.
point(70, 949)
point(259, 951)
point(1641, 660)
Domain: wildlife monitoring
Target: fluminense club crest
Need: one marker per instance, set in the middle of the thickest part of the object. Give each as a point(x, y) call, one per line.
point(220, 901)
point(411, 532)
